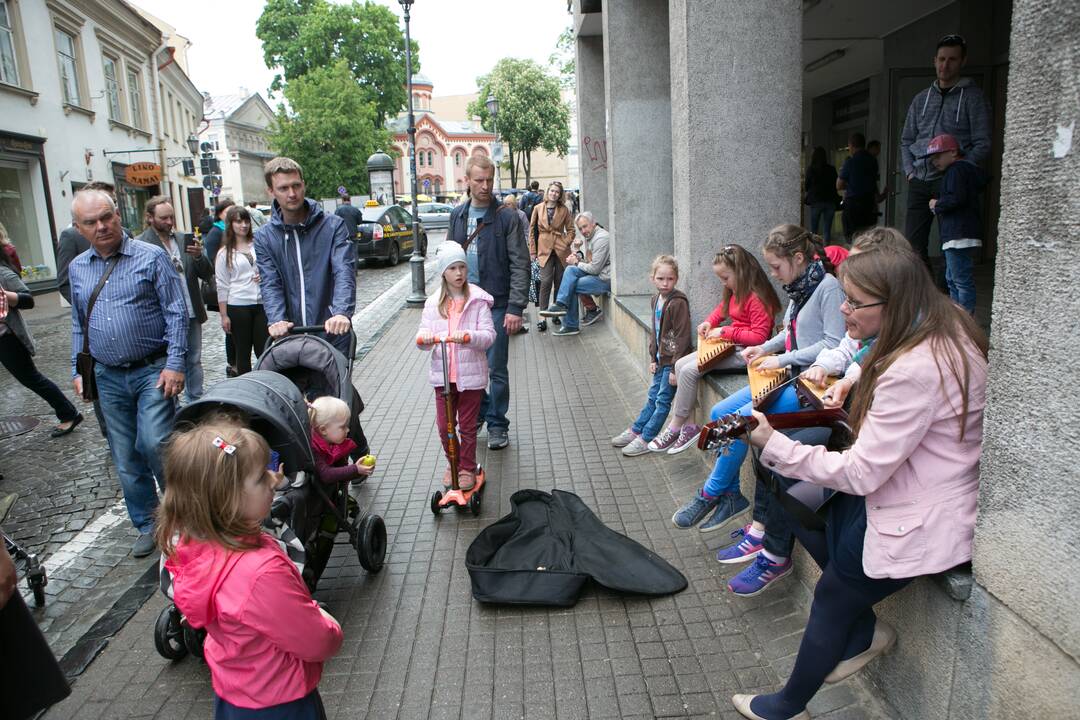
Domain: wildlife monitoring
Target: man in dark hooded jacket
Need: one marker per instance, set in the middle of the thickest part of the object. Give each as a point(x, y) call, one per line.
point(306, 260)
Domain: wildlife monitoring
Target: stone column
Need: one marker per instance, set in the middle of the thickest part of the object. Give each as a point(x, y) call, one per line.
point(637, 87)
point(592, 127)
point(736, 116)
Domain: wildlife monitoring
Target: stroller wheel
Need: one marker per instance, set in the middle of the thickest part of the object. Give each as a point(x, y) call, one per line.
point(169, 635)
point(371, 543)
point(474, 504)
point(435, 499)
point(38, 588)
point(193, 640)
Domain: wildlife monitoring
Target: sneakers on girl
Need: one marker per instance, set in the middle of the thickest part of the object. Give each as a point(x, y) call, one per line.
point(694, 511)
point(663, 441)
point(756, 578)
point(728, 510)
point(624, 438)
point(747, 547)
point(466, 480)
point(637, 446)
point(687, 439)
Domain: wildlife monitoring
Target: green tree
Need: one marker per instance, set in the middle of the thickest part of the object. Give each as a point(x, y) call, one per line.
point(329, 128)
point(531, 116)
point(563, 61)
point(299, 36)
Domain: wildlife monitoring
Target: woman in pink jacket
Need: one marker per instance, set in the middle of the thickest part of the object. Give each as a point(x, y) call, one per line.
point(908, 486)
point(266, 638)
point(456, 310)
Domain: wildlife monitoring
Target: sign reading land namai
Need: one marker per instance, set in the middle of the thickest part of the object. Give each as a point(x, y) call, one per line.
point(143, 174)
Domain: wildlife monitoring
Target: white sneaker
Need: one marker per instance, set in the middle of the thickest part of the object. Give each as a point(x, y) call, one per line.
point(637, 446)
point(624, 438)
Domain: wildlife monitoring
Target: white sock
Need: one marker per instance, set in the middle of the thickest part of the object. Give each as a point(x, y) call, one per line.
point(674, 428)
point(756, 533)
point(774, 559)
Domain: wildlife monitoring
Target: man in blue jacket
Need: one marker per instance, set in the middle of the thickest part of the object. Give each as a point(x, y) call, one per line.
point(951, 105)
point(306, 260)
point(498, 261)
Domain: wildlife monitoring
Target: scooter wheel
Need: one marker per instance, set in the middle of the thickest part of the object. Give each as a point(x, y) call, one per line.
point(169, 635)
point(436, 498)
point(193, 640)
point(371, 543)
point(474, 504)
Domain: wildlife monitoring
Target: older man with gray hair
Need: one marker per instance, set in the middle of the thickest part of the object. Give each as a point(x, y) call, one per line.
point(588, 272)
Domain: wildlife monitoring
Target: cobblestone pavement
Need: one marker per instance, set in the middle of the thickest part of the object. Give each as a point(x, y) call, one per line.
point(69, 509)
point(418, 646)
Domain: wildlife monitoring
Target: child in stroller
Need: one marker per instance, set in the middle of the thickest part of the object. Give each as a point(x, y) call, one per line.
point(332, 445)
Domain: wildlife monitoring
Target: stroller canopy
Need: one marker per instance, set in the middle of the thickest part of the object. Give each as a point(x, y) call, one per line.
point(312, 364)
point(276, 408)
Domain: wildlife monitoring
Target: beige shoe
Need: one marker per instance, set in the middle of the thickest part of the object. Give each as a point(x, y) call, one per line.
point(447, 479)
point(742, 704)
point(884, 639)
point(466, 480)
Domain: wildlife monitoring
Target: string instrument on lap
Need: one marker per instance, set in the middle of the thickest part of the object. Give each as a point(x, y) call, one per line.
point(765, 384)
point(813, 394)
point(711, 352)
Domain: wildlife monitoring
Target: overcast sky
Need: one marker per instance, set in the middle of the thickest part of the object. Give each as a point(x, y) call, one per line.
point(459, 39)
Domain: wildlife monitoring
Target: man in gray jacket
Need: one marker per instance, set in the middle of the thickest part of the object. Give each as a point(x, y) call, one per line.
point(587, 273)
point(951, 105)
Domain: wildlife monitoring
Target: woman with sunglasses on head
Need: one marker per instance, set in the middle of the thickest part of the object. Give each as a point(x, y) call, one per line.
point(551, 230)
point(239, 297)
point(908, 486)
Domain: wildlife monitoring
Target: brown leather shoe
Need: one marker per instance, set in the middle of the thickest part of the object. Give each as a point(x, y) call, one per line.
point(884, 639)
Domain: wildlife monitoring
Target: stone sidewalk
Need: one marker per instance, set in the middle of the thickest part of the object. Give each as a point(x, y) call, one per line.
point(418, 646)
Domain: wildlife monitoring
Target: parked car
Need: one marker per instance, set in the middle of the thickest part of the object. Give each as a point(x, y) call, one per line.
point(435, 216)
point(386, 233)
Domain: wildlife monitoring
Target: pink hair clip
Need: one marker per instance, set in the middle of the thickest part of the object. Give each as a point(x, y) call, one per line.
point(224, 446)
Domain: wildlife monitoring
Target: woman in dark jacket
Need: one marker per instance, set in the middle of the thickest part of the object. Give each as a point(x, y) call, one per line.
point(17, 349)
point(821, 194)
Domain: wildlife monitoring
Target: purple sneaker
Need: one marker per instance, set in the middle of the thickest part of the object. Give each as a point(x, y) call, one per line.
point(687, 439)
point(747, 548)
point(663, 441)
point(754, 579)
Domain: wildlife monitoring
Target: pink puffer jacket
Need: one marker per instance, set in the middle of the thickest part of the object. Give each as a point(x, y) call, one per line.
point(471, 359)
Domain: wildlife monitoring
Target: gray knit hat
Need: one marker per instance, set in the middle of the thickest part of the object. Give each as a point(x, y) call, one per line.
point(447, 254)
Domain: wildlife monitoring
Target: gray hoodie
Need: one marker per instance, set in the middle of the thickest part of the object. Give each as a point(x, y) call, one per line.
point(962, 111)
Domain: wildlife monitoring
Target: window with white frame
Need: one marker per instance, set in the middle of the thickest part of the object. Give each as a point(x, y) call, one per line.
point(135, 97)
point(69, 67)
point(112, 88)
point(9, 68)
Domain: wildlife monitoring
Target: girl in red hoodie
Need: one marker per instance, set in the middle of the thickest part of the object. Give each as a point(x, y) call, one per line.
point(266, 638)
point(750, 303)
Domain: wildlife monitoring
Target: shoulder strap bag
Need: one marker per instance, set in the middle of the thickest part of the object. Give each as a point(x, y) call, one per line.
point(84, 361)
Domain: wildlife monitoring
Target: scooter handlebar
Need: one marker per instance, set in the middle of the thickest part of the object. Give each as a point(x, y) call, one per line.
point(445, 339)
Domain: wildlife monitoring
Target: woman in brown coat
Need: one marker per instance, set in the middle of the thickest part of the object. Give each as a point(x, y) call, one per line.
point(551, 231)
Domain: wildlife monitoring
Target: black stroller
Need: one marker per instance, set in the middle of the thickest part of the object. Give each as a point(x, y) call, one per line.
point(306, 516)
point(28, 562)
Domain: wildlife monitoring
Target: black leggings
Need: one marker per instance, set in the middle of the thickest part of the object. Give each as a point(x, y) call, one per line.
point(17, 359)
point(248, 333)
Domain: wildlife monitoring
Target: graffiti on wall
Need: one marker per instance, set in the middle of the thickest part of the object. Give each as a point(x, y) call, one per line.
point(596, 151)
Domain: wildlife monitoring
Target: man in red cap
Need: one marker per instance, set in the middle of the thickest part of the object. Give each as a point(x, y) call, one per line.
point(957, 211)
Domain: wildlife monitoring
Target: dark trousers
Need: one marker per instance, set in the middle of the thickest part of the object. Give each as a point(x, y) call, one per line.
point(859, 213)
point(17, 359)
point(919, 217)
point(309, 707)
point(249, 333)
point(466, 409)
point(496, 402)
point(779, 535)
point(550, 279)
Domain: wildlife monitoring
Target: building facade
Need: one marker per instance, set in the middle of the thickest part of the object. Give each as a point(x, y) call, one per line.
point(237, 134)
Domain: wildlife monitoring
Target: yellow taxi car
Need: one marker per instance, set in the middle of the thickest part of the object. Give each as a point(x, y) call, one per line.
point(386, 233)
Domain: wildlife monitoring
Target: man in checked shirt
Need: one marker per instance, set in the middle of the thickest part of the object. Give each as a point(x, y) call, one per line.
point(138, 338)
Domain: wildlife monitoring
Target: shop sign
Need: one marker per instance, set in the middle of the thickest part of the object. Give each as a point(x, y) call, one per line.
point(143, 174)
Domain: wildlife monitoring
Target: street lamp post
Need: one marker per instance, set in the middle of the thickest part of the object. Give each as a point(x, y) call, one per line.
point(416, 262)
point(496, 152)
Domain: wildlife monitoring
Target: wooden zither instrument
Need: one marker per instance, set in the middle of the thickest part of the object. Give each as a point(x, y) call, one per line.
point(711, 352)
point(765, 384)
point(811, 393)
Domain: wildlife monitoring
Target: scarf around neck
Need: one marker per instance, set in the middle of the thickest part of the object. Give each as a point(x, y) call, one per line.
point(804, 286)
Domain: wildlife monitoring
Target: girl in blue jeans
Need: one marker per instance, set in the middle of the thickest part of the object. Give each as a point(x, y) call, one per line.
point(671, 338)
point(796, 257)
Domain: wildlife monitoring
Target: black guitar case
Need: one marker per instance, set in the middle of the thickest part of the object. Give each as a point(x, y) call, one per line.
point(550, 545)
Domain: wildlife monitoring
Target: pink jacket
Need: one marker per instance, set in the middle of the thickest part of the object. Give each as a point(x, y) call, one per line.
point(920, 480)
point(471, 359)
point(266, 638)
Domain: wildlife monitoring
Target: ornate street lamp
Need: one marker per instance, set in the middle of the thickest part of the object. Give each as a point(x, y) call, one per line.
point(496, 152)
point(193, 144)
point(416, 262)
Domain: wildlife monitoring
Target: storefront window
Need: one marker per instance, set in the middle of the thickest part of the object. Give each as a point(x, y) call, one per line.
point(131, 201)
point(19, 215)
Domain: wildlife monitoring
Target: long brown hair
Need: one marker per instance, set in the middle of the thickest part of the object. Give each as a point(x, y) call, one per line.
point(786, 240)
point(204, 487)
point(750, 278)
point(914, 312)
point(236, 212)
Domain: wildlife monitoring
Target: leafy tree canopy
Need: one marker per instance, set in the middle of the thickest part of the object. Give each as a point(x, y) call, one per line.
point(329, 129)
point(563, 61)
point(531, 115)
point(299, 36)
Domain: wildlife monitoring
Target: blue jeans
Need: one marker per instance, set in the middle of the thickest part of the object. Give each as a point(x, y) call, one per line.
point(960, 278)
point(725, 474)
point(193, 369)
point(823, 212)
point(138, 418)
point(496, 402)
point(576, 281)
point(657, 406)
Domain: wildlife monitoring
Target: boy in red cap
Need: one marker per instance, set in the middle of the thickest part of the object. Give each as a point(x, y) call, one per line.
point(957, 210)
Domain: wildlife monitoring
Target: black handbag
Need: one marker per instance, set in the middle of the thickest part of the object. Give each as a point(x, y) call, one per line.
point(84, 361)
point(30, 676)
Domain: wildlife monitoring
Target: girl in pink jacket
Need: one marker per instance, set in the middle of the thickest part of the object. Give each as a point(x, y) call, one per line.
point(266, 638)
point(908, 486)
point(458, 309)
